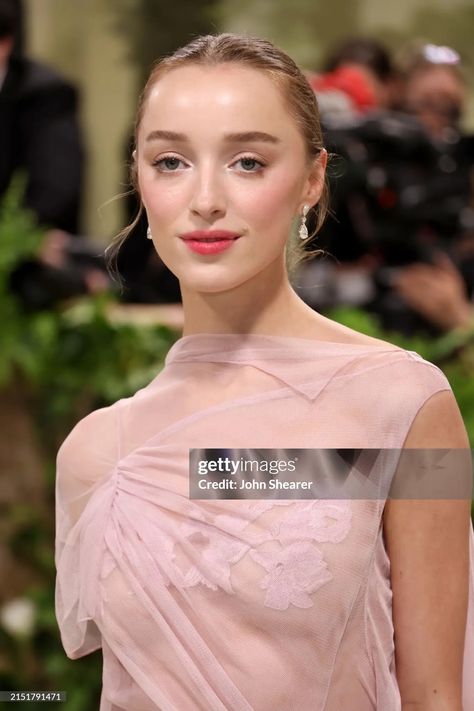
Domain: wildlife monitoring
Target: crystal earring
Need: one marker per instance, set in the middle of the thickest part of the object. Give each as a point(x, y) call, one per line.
point(148, 233)
point(303, 231)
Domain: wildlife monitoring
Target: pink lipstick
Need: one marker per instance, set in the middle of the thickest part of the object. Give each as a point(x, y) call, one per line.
point(209, 241)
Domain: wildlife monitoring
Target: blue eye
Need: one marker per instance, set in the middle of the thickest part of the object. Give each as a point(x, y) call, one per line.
point(168, 164)
point(250, 165)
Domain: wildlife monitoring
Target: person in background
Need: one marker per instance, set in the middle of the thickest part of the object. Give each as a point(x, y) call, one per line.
point(357, 78)
point(372, 61)
point(434, 92)
point(357, 82)
point(40, 137)
point(401, 237)
point(39, 130)
point(433, 89)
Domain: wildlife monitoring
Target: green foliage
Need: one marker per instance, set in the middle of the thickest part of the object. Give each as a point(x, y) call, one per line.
point(36, 660)
point(20, 239)
point(71, 360)
point(88, 361)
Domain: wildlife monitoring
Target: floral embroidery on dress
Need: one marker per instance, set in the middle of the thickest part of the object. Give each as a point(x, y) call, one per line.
point(322, 521)
point(294, 572)
point(296, 568)
point(217, 559)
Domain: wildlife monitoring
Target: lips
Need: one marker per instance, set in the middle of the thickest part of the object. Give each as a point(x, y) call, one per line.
point(209, 236)
point(210, 242)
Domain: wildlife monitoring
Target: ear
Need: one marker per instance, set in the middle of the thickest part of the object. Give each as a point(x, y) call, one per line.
point(135, 180)
point(315, 181)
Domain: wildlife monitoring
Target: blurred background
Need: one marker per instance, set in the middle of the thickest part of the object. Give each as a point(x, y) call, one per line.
point(107, 46)
point(395, 88)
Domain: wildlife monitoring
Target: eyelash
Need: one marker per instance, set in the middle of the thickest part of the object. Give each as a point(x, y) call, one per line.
point(156, 164)
point(255, 160)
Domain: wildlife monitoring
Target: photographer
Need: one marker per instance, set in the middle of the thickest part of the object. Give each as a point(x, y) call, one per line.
point(403, 199)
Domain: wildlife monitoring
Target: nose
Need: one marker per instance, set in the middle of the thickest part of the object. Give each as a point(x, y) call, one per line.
point(208, 199)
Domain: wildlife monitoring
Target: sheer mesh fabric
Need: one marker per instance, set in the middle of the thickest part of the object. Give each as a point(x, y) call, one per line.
point(230, 604)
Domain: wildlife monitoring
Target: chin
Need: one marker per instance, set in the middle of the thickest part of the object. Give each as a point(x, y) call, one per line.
point(212, 283)
point(204, 286)
point(214, 279)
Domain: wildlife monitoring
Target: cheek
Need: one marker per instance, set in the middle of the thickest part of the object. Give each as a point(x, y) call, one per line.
point(274, 199)
point(163, 201)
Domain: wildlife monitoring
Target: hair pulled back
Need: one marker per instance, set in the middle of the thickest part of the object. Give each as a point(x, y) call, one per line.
point(259, 54)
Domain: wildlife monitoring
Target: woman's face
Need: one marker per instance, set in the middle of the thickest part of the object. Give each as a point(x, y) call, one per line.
point(217, 149)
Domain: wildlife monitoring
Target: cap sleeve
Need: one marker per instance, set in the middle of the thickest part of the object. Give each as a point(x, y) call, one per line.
point(412, 381)
point(84, 465)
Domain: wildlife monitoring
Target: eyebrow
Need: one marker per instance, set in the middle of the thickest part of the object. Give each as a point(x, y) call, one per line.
point(242, 137)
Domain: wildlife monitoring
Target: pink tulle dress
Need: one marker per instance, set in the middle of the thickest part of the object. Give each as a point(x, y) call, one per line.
point(241, 605)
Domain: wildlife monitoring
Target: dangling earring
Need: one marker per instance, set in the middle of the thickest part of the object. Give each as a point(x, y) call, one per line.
point(148, 233)
point(303, 231)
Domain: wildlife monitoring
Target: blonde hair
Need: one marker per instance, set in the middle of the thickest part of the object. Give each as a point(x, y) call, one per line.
point(212, 50)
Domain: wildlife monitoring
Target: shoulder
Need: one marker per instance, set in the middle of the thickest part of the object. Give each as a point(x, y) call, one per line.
point(35, 80)
point(403, 367)
point(395, 370)
point(438, 423)
point(330, 330)
point(408, 381)
point(389, 368)
point(91, 449)
point(389, 388)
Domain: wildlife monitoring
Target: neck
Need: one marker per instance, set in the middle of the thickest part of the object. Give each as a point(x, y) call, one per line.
point(265, 304)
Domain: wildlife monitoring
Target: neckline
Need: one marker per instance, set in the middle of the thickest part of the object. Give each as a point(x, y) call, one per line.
point(200, 343)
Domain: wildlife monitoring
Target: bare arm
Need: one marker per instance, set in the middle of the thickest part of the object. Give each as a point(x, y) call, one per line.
point(428, 546)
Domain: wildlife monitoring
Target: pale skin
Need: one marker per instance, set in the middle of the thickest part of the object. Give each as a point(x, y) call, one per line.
point(428, 546)
point(215, 175)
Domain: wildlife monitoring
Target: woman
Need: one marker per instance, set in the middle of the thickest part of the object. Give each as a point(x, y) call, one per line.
point(256, 603)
